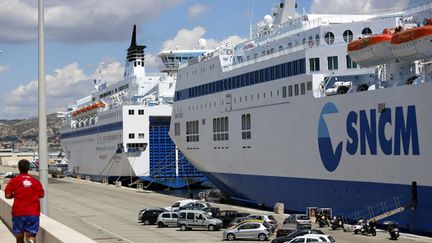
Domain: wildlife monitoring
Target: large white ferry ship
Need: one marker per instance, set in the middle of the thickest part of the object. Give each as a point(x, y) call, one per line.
point(120, 131)
point(290, 116)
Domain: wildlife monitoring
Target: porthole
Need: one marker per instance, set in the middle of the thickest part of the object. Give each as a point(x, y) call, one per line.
point(367, 31)
point(348, 36)
point(329, 38)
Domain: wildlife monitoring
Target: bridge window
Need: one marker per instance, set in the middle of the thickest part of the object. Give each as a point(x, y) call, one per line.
point(296, 89)
point(314, 64)
point(140, 112)
point(309, 85)
point(220, 129)
point(177, 129)
point(131, 112)
point(302, 88)
point(131, 135)
point(290, 91)
point(350, 63)
point(246, 126)
point(192, 131)
point(332, 63)
point(317, 39)
point(284, 92)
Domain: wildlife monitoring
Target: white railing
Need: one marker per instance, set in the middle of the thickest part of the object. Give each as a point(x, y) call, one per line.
point(419, 8)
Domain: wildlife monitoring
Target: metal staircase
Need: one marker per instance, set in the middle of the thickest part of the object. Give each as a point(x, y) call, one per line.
point(385, 209)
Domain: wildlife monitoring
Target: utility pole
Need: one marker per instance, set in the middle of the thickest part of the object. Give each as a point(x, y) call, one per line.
point(43, 140)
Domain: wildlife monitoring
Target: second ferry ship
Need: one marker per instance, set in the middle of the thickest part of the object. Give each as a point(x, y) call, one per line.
point(290, 116)
point(120, 131)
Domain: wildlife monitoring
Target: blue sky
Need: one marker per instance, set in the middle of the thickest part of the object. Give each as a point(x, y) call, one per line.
point(86, 35)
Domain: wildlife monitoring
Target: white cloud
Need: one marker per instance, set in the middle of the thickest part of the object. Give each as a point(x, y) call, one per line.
point(78, 20)
point(3, 68)
point(197, 10)
point(356, 7)
point(64, 85)
point(188, 39)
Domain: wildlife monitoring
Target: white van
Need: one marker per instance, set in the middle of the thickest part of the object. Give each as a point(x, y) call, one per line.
point(176, 206)
point(189, 219)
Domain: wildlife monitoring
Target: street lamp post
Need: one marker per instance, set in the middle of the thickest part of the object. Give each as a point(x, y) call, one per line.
point(43, 140)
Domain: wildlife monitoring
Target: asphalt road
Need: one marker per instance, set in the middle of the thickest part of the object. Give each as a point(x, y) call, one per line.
point(109, 214)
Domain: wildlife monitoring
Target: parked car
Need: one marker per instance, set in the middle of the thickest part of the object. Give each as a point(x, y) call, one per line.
point(149, 215)
point(213, 211)
point(268, 218)
point(249, 230)
point(195, 205)
point(287, 238)
point(228, 215)
point(236, 221)
point(298, 221)
point(285, 230)
point(55, 171)
point(176, 206)
point(167, 219)
point(313, 238)
point(189, 219)
point(34, 166)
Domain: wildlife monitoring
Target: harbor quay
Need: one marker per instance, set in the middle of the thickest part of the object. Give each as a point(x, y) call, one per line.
point(106, 213)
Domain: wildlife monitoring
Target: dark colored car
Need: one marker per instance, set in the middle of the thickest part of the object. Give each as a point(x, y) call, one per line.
point(212, 211)
point(228, 215)
point(149, 215)
point(285, 230)
point(296, 234)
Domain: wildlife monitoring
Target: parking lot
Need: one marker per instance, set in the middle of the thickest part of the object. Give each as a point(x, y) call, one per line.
point(109, 214)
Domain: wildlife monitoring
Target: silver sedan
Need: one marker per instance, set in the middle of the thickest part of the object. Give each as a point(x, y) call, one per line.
point(252, 230)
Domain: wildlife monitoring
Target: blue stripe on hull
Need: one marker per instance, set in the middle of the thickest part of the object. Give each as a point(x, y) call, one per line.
point(344, 197)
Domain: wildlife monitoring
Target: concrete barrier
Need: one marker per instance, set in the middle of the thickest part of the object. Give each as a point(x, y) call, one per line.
point(50, 231)
point(118, 184)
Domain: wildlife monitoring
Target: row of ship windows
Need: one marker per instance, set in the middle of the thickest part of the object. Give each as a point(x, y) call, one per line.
point(132, 112)
point(140, 136)
point(220, 129)
point(329, 39)
point(121, 88)
point(263, 75)
point(109, 115)
point(332, 63)
point(287, 91)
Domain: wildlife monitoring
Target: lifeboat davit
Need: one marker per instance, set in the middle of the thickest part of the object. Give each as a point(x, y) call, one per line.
point(372, 50)
point(413, 44)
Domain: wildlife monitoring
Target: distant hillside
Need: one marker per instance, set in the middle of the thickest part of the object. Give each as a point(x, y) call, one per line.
point(22, 131)
point(9, 122)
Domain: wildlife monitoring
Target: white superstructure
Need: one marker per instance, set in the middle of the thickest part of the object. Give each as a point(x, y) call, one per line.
point(287, 116)
point(120, 130)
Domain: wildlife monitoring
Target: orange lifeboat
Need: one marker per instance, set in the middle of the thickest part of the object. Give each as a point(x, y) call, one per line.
point(413, 44)
point(372, 50)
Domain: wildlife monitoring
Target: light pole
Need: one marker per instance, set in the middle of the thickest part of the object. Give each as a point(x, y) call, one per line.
point(43, 146)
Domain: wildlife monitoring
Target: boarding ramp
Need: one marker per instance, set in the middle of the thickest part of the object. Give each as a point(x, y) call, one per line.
point(384, 209)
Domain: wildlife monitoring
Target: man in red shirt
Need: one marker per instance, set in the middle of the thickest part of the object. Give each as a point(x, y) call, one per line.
point(26, 191)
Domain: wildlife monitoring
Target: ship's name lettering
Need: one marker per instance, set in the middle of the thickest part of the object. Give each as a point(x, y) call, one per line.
point(368, 129)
